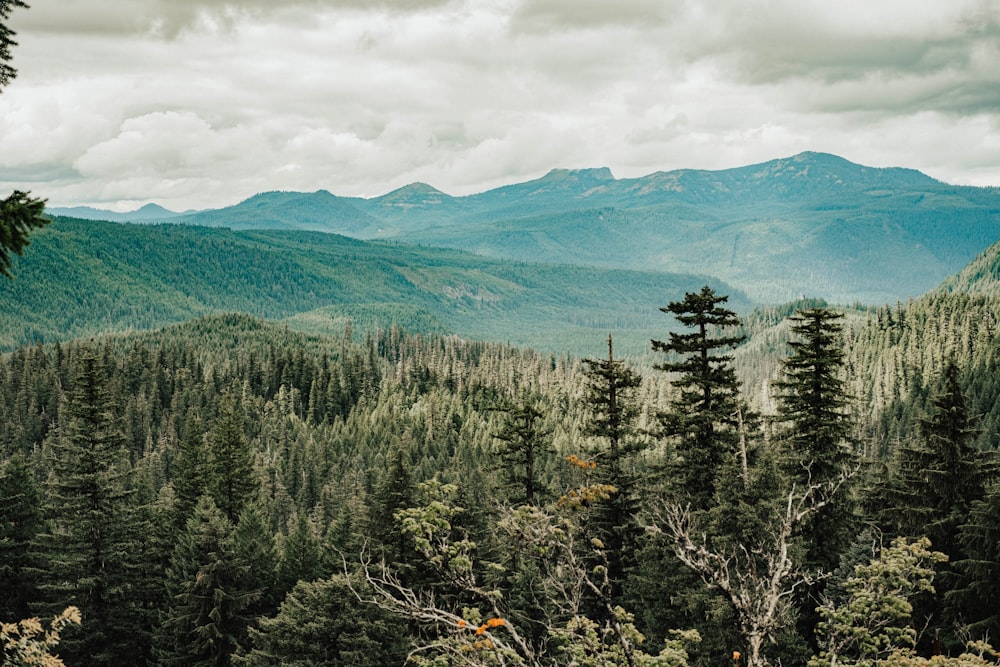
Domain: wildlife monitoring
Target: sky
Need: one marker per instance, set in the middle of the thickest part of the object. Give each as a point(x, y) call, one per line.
point(202, 103)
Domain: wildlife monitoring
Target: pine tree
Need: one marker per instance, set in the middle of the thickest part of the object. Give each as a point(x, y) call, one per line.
point(87, 548)
point(253, 544)
point(932, 486)
point(610, 396)
point(189, 472)
point(232, 480)
point(814, 425)
point(975, 595)
point(301, 555)
point(20, 521)
point(523, 446)
point(209, 594)
point(323, 623)
point(704, 418)
point(396, 491)
point(813, 429)
point(19, 212)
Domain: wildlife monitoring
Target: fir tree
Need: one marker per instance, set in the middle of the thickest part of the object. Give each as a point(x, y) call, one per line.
point(932, 486)
point(704, 418)
point(189, 472)
point(976, 594)
point(20, 521)
point(610, 396)
point(523, 445)
point(813, 430)
point(87, 549)
point(301, 555)
point(254, 545)
point(19, 214)
point(323, 623)
point(813, 421)
point(396, 491)
point(209, 594)
point(232, 480)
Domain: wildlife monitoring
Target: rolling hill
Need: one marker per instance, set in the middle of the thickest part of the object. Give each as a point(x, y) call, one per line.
point(80, 278)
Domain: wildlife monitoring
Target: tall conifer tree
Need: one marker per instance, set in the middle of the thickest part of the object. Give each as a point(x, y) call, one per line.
point(232, 480)
point(611, 386)
point(20, 521)
point(932, 486)
point(704, 418)
point(209, 594)
point(87, 550)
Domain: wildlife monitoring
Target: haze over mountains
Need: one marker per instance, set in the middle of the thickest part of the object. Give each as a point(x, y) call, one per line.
point(810, 225)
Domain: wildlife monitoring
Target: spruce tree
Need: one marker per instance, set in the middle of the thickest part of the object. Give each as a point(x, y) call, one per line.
point(322, 623)
point(812, 432)
point(301, 555)
point(977, 591)
point(189, 472)
point(396, 491)
point(20, 521)
point(87, 550)
point(932, 486)
point(232, 480)
point(209, 595)
point(523, 445)
point(812, 418)
point(611, 386)
point(19, 212)
point(703, 420)
point(254, 544)
point(814, 427)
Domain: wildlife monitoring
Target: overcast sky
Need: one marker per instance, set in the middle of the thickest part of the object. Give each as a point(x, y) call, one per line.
point(202, 103)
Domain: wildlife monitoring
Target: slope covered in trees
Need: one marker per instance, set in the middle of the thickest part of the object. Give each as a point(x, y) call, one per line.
point(258, 478)
point(85, 277)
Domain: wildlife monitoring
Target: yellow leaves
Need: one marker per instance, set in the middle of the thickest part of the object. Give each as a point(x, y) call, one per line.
point(586, 495)
point(27, 642)
point(576, 461)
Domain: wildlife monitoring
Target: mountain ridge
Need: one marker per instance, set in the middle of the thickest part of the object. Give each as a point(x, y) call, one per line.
point(813, 224)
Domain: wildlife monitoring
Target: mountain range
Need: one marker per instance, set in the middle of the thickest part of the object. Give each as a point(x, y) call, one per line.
point(811, 225)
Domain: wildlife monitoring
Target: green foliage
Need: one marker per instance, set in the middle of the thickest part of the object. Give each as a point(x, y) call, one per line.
point(232, 481)
point(90, 525)
point(86, 277)
point(20, 521)
point(210, 593)
point(613, 414)
point(7, 72)
point(523, 444)
point(873, 621)
point(321, 623)
point(19, 213)
point(704, 417)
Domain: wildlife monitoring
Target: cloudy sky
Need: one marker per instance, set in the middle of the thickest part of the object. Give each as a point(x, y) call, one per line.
point(202, 103)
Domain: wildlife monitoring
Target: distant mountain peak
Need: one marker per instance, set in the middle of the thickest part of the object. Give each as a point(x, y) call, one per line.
point(413, 195)
point(594, 174)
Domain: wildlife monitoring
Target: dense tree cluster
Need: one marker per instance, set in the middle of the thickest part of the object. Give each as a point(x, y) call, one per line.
point(228, 491)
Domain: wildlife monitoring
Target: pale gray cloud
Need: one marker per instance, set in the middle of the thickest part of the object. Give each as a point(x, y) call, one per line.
point(197, 104)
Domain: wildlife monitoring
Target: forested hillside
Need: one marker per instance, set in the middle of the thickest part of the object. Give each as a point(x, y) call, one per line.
point(260, 496)
point(87, 277)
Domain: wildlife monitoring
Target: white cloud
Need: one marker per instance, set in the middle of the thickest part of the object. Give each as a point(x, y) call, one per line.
point(201, 103)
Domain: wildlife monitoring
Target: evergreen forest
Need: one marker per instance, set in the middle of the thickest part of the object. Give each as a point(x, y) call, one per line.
point(797, 485)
